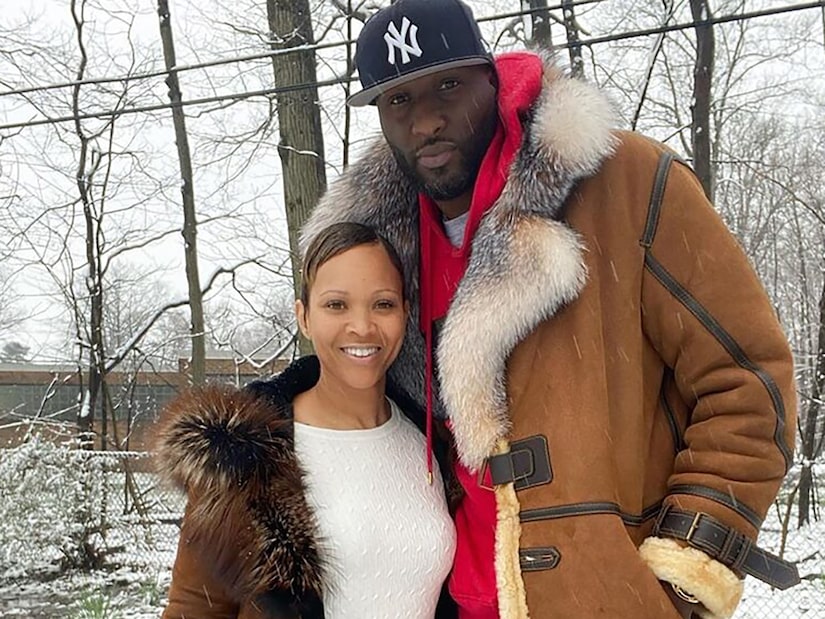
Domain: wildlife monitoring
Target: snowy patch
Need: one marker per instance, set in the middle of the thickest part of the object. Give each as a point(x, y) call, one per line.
point(44, 487)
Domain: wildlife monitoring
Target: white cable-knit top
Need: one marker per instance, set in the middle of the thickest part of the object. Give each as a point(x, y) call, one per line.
point(387, 537)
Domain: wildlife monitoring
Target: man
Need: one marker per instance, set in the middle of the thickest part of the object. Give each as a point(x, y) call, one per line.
point(619, 392)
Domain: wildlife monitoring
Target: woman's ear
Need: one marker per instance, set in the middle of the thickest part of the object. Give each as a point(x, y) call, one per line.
point(303, 319)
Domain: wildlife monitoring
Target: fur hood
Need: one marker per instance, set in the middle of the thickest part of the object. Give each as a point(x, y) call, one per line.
point(232, 452)
point(525, 261)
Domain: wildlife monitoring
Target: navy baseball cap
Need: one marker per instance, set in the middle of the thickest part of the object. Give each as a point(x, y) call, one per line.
point(413, 38)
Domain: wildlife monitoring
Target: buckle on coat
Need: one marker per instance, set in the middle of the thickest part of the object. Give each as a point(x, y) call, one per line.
point(527, 464)
point(726, 545)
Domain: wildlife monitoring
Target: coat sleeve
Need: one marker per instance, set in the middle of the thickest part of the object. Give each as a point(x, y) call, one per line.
point(708, 316)
point(248, 537)
point(194, 591)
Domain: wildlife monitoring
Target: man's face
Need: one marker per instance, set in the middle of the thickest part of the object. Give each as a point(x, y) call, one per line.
point(439, 127)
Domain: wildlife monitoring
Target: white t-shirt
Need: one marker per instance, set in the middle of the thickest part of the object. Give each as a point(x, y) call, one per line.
point(387, 537)
point(454, 228)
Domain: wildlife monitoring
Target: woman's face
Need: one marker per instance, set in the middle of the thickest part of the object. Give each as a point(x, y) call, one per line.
point(355, 316)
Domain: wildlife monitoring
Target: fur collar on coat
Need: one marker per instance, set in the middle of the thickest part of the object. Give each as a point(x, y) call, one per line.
point(232, 451)
point(525, 262)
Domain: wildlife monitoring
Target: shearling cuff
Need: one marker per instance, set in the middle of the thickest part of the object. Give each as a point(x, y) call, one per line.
point(713, 584)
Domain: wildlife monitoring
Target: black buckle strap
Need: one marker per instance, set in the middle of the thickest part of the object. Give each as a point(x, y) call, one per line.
point(656, 195)
point(527, 464)
point(726, 545)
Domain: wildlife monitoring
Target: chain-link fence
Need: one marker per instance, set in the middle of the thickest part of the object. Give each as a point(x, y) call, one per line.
point(142, 515)
point(64, 508)
point(803, 546)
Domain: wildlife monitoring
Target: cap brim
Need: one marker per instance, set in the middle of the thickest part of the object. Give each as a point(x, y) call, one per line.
point(368, 95)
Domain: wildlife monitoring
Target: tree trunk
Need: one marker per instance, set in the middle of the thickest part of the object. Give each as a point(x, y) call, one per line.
point(347, 89)
point(700, 108)
point(541, 35)
point(301, 145)
point(197, 368)
point(85, 416)
point(574, 48)
point(810, 445)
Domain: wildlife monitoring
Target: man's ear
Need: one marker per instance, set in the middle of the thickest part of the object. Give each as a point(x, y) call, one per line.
point(492, 75)
point(303, 318)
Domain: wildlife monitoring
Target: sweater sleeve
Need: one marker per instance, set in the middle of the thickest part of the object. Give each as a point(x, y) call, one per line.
point(711, 321)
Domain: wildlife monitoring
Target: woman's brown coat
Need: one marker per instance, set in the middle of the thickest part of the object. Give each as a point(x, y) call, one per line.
point(249, 546)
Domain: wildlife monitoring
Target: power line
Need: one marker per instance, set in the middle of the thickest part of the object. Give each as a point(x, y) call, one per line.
point(339, 81)
point(163, 106)
point(122, 79)
point(321, 46)
point(179, 69)
point(541, 9)
point(704, 22)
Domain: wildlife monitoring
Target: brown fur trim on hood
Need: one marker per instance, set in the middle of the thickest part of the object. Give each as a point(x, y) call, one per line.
point(232, 452)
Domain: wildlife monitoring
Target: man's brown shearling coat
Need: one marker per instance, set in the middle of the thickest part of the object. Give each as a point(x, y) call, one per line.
point(643, 348)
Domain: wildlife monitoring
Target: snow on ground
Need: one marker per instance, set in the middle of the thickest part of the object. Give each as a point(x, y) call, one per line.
point(41, 514)
point(122, 594)
point(139, 593)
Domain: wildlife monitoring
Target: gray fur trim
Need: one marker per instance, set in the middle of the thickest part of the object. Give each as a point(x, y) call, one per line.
point(525, 262)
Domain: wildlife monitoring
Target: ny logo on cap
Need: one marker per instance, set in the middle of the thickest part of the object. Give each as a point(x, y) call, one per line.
point(398, 40)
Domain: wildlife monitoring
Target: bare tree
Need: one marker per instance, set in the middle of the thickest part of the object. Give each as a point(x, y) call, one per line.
point(540, 21)
point(302, 146)
point(10, 315)
point(14, 352)
point(798, 176)
point(190, 223)
point(768, 190)
point(135, 298)
point(571, 28)
point(89, 162)
point(75, 227)
point(700, 131)
point(813, 434)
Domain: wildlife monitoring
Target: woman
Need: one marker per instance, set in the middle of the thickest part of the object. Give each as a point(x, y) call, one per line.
point(308, 494)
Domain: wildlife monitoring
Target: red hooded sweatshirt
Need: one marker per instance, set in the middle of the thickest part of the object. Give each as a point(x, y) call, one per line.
point(473, 581)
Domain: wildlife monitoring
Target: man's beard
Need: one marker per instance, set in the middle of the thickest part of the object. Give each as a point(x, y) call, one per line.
point(470, 154)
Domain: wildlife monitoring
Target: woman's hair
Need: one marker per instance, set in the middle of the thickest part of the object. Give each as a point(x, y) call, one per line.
point(335, 240)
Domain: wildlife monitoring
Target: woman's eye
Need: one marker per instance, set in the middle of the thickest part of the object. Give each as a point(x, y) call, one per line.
point(449, 84)
point(334, 305)
point(385, 304)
